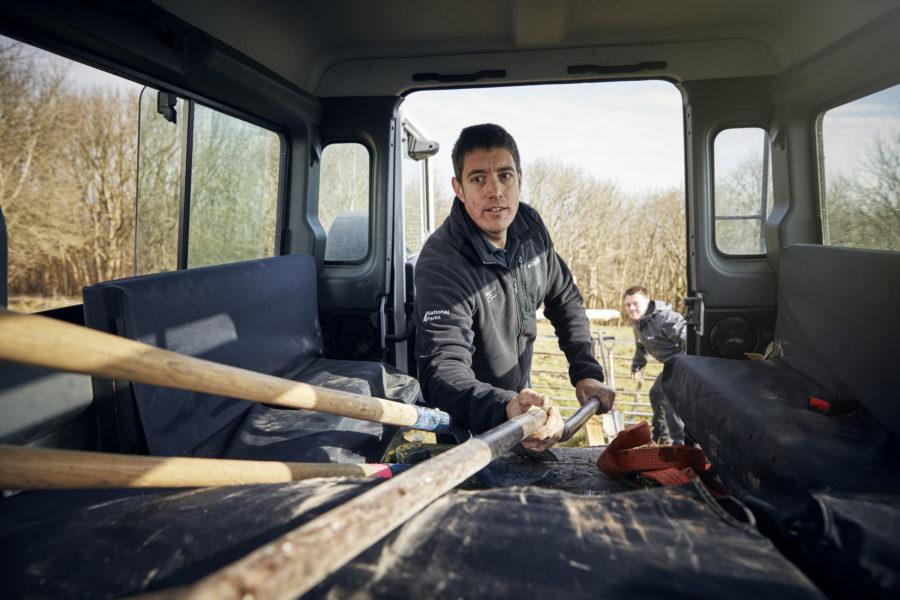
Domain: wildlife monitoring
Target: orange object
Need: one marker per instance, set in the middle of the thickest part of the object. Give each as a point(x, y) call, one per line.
point(661, 465)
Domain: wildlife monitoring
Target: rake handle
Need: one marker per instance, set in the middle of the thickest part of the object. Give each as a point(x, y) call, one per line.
point(52, 344)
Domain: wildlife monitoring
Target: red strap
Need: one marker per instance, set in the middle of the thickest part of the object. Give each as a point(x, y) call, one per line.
point(663, 465)
point(623, 456)
point(652, 458)
point(670, 476)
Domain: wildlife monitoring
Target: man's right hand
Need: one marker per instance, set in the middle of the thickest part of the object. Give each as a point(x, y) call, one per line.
point(525, 400)
point(638, 375)
point(545, 437)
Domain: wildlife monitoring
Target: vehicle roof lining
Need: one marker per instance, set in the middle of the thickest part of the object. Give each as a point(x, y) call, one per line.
point(325, 36)
point(682, 61)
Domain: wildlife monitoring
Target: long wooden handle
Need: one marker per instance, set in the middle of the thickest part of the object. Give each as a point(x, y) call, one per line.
point(53, 344)
point(294, 563)
point(44, 469)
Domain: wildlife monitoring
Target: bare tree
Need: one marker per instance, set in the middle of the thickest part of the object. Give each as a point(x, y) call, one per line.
point(610, 240)
point(67, 168)
point(30, 113)
point(443, 196)
point(738, 195)
point(156, 226)
point(101, 160)
point(344, 181)
point(32, 110)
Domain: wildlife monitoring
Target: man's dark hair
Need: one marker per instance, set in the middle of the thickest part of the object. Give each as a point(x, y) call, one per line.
point(485, 136)
point(637, 289)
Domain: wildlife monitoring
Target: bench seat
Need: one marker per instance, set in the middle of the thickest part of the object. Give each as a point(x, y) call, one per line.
point(824, 487)
point(260, 315)
point(834, 337)
point(753, 420)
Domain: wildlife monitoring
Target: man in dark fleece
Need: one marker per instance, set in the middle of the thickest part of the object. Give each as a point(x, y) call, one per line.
point(479, 280)
point(660, 332)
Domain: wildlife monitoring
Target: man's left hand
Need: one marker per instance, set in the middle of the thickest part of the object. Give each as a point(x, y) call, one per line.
point(589, 388)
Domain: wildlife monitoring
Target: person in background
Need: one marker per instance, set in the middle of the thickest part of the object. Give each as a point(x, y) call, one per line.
point(660, 332)
point(480, 278)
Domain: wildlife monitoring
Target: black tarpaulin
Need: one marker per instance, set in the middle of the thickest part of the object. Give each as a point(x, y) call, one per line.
point(502, 543)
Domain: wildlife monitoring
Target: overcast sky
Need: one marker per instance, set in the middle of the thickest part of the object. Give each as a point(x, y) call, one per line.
point(627, 132)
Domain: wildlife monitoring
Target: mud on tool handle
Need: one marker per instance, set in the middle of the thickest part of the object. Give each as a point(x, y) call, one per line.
point(581, 416)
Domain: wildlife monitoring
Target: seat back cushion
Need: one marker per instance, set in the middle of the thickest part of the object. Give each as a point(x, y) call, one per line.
point(259, 315)
point(838, 322)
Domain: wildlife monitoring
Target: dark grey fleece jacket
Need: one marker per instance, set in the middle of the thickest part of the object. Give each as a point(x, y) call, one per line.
point(475, 317)
point(661, 333)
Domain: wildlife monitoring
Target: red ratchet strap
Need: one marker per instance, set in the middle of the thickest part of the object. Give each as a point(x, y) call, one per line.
point(660, 465)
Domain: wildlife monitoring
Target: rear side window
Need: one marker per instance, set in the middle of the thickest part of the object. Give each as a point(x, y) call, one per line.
point(207, 189)
point(414, 206)
point(68, 156)
point(860, 172)
point(743, 190)
point(344, 201)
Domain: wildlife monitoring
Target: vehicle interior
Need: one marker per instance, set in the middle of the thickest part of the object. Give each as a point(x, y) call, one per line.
point(785, 384)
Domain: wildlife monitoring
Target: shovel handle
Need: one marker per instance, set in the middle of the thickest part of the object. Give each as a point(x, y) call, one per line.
point(581, 416)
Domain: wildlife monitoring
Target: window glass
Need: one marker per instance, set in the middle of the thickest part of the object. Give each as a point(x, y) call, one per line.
point(160, 151)
point(414, 199)
point(68, 152)
point(233, 199)
point(344, 201)
point(234, 190)
point(860, 166)
point(743, 190)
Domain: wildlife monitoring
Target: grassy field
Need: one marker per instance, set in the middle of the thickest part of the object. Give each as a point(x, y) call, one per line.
point(549, 373)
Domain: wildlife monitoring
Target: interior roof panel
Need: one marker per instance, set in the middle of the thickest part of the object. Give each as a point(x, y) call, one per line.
point(322, 35)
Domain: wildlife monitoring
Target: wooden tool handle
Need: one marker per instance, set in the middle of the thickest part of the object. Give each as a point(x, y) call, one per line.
point(295, 562)
point(53, 344)
point(44, 469)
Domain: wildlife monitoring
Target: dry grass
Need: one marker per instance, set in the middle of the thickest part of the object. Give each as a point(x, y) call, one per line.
point(32, 304)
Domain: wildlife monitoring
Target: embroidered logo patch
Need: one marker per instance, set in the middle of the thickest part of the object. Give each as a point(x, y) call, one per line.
point(490, 295)
point(434, 315)
point(533, 262)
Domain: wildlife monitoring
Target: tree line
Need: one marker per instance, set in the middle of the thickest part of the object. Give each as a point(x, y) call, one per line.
point(610, 239)
point(67, 177)
point(68, 164)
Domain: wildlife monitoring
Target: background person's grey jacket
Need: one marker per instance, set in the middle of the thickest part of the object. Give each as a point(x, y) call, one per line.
point(661, 333)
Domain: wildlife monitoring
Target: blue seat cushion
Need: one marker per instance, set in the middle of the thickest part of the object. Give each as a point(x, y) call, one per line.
point(260, 315)
point(753, 420)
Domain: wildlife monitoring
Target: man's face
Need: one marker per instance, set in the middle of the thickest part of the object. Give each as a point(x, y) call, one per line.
point(490, 191)
point(636, 306)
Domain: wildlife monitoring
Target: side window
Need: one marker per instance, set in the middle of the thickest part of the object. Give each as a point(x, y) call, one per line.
point(224, 170)
point(344, 201)
point(743, 190)
point(414, 216)
point(860, 172)
point(418, 204)
point(159, 179)
point(68, 154)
